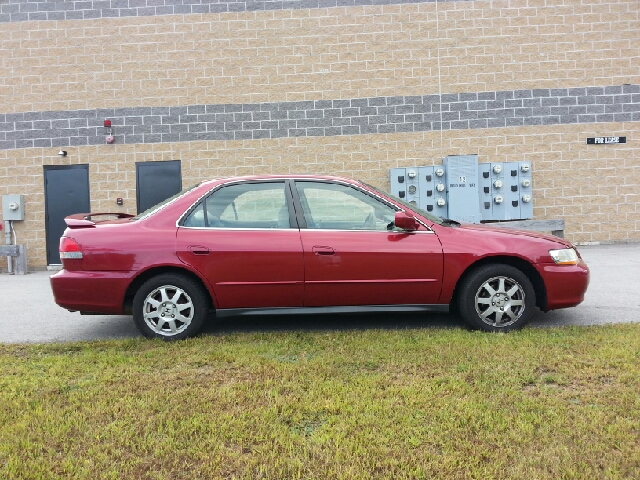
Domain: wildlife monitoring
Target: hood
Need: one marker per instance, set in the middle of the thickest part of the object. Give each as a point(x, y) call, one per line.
point(511, 231)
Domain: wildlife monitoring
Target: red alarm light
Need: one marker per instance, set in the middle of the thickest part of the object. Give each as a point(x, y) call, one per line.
point(107, 123)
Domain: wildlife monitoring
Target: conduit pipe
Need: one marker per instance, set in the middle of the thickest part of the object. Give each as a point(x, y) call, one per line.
point(7, 241)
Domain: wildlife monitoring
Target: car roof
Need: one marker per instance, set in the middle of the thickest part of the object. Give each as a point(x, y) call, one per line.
point(218, 180)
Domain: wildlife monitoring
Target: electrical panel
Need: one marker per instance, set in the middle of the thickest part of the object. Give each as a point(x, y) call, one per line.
point(12, 207)
point(404, 185)
point(498, 207)
point(398, 182)
point(484, 190)
point(505, 191)
point(463, 189)
point(525, 182)
point(511, 191)
point(411, 183)
point(424, 187)
point(433, 191)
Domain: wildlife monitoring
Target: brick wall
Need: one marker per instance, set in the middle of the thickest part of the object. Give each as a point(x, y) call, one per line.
point(326, 88)
point(334, 53)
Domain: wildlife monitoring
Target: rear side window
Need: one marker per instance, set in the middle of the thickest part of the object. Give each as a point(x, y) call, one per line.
point(196, 218)
point(244, 205)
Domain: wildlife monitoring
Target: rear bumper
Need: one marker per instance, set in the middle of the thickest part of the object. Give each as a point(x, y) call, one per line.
point(96, 292)
point(565, 284)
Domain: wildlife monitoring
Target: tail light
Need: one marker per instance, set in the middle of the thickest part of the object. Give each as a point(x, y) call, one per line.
point(69, 249)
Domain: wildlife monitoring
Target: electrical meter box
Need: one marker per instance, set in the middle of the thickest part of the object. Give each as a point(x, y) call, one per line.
point(465, 190)
point(411, 183)
point(424, 187)
point(484, 190)
point(511, 191)
point(498, 206)
point(433, 195)
point(505, 191)
point(398, 177)
point(404, 184)
point(462, 187)
point(525, 182)
point(12, 207)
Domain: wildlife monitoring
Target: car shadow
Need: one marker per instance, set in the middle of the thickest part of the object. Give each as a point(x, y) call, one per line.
point(328, 322)
point(357, 321)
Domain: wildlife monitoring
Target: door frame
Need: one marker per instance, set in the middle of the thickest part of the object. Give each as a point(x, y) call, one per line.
point(46, 168)
point(151, 163)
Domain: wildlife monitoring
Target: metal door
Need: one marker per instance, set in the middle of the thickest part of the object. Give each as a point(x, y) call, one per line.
point(66, 191)
point(156, 181)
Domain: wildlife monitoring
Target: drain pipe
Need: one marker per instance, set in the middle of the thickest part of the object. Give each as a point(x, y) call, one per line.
point(7, 241)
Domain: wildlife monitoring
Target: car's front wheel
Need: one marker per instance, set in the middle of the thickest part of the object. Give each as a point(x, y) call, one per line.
point(170, 307)
point(497, 298)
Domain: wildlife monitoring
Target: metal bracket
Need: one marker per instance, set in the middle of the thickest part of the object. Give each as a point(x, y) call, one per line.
point(19, 252)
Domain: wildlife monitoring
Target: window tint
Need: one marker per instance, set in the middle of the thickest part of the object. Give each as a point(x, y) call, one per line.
point(340, 207)
point(244, 205)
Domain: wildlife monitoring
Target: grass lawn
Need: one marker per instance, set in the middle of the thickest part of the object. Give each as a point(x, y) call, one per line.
point(554, 403)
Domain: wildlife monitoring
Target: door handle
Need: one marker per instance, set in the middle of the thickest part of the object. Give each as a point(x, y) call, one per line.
point(318, 250)
point(198, 250)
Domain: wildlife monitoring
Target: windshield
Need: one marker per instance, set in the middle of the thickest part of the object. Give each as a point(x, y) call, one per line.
point(158, 206)
point(415, 208)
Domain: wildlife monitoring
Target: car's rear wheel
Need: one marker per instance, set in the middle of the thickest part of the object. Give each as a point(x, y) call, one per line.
point(497, 298)
point(170, 307)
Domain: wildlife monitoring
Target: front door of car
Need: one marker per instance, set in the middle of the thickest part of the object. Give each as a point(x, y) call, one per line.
point(242, 238)
point(351, 258)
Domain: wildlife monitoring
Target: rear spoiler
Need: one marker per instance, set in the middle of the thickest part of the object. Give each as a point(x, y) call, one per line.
point(84, 220)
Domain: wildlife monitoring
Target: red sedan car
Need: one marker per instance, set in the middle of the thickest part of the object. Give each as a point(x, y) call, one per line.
point(302, 244)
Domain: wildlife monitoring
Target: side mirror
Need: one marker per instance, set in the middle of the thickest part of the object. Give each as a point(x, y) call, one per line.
point(405, 222)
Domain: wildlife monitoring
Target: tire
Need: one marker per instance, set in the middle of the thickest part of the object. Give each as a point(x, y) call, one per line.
point(170, 307)
point(496, 298)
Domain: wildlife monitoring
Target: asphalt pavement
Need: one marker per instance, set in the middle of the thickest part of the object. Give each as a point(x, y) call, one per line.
point(32, 316)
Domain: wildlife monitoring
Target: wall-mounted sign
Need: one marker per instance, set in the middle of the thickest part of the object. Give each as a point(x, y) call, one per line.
point(606, 140)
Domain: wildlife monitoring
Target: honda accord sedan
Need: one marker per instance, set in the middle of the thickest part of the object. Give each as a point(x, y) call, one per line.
point(305, 244)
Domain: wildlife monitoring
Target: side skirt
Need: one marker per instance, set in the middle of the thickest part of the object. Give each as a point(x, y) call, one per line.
point(233, 312)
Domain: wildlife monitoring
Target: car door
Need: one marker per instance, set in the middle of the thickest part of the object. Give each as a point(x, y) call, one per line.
point(352, 258)
point(244, 240)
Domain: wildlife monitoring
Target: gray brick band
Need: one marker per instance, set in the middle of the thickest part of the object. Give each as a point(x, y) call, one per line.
point(24, 11)
point(323, 117)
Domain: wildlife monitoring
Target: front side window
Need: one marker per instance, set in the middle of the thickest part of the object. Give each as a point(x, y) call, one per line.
point(334, 206)
point(415, 208)
point(244, 205)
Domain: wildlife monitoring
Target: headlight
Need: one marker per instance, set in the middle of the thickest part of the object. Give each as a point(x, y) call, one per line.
point(566, 256)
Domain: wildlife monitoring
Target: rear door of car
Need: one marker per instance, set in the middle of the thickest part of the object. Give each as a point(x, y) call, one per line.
point(350, 256)
point(243, 237)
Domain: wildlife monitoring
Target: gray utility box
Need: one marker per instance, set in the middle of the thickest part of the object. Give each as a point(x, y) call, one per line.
point(12, 207)
point(433, 190)
point(465, 190)
point(505, 191)
point(421, 186)
point(462, 187)
point(525, 186)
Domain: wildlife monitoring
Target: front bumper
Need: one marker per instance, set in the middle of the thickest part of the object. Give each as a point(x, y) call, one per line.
point(565, 284)
point(94, 292)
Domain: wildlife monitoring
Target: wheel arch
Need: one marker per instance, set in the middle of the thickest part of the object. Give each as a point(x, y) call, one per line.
point(516, 262)
point(140, 279)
